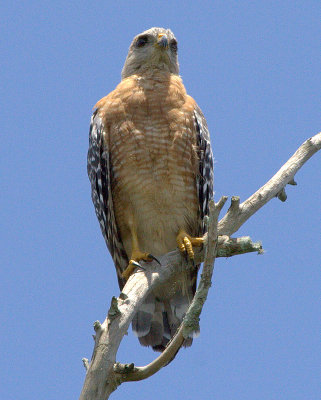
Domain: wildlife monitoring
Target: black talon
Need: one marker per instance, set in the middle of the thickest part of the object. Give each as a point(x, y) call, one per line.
point(136, 264)
point(154, 258)
point(144, 269)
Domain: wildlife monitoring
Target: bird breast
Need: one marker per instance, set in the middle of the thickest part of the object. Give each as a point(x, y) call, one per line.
point(152, 143)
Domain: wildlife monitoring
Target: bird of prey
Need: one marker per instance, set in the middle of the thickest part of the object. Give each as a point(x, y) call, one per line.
point(150, 165)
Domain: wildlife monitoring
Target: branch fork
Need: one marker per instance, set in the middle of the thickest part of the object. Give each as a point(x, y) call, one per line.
point(103, 373)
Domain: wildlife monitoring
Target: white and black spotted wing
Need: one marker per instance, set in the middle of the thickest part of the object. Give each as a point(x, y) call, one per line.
point(205, 178)
point(99, 173)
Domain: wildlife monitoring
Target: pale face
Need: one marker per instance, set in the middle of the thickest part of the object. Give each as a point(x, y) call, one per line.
point(156, 47)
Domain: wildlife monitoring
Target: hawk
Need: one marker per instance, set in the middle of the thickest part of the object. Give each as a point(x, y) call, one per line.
point(150, 165)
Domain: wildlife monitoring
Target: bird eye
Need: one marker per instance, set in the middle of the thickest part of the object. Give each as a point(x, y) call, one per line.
point(173, 45)
point(141, 41)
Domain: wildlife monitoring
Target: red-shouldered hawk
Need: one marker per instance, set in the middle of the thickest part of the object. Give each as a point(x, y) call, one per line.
point(150, 166)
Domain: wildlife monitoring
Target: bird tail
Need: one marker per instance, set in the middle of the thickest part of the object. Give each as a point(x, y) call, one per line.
point(158, 319)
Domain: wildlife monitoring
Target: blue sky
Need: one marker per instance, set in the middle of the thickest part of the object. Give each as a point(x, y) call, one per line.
point(254, 69)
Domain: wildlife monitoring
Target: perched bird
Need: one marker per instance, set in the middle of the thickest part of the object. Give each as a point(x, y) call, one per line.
point(150, 165)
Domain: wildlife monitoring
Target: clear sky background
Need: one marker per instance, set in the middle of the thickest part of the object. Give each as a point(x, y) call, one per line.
point(254, 69)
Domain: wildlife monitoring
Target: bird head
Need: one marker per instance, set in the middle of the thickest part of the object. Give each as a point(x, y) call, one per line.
point(154, 48)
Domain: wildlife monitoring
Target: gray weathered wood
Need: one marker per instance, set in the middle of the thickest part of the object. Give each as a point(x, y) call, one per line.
point(103, 374)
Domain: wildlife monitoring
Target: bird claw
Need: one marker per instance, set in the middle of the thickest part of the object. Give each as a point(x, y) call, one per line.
point(133, 263)
point(154, 258)
point(130, 269)
point(186, 242)
point(136, 264)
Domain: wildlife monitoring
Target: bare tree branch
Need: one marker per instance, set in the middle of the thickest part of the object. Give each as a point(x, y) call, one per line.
point(102, 378)
point(240, 213)
point(103, 375)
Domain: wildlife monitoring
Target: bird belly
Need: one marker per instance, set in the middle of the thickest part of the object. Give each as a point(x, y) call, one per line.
point(154, 194)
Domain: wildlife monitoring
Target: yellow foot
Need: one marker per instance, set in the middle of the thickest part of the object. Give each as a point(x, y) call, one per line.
point(137, 256)
point(186, 242)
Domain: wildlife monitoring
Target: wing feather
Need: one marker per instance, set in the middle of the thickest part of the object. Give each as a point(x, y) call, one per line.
point(204, 182)
point(205, 178)
point(99, 173)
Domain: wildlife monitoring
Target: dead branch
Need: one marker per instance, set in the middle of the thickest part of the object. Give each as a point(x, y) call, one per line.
point(103, 374)
point(102, 378)
point(275, 187)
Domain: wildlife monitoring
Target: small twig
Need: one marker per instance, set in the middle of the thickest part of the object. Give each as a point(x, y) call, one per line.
point(86, 363)
point(235, 204)
point(282, 195)
point(97, 326)
point(140, 373)
point(228, 247)
point(191, 320)
point(292, 182)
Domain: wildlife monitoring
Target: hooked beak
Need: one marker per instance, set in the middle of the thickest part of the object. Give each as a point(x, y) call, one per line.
point(162, 41)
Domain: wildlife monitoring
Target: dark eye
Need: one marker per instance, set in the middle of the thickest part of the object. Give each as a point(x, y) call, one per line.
point(141, 41)
point(173, 45)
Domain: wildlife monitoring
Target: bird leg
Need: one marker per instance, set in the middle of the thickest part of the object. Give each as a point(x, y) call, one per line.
point(186, 242)
point(136, 256)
